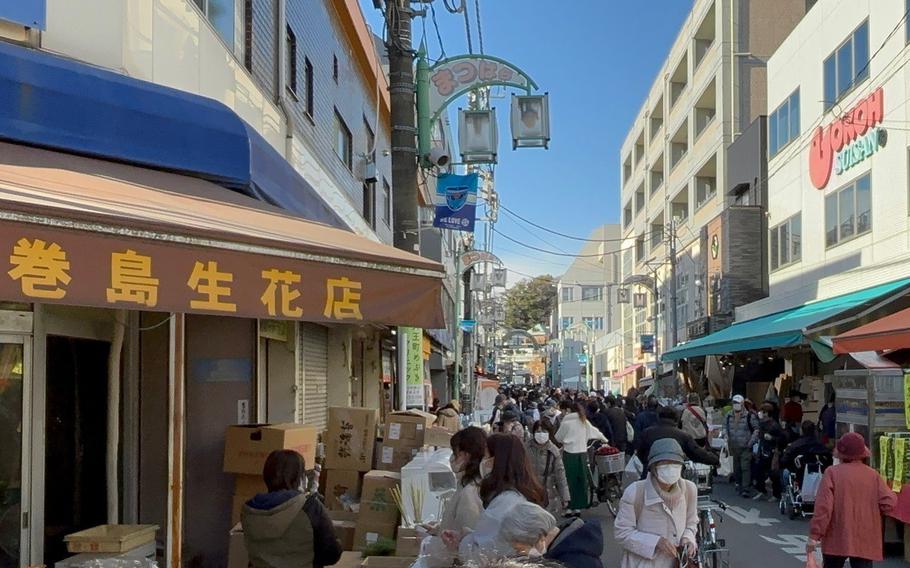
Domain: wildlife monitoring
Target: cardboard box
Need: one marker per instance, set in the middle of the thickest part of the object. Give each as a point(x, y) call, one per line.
point(344, 532)
point(406, 428)
point(349, 560)
point(246, 447)
point(339, 482)
point(350, 438)
point(237, 555)
point(439, 437)
point(343, 515)
point(245, 488)
point(366, 534)
point(393, 458)
point(407, 542)
point(388, 561)
point(376, 502)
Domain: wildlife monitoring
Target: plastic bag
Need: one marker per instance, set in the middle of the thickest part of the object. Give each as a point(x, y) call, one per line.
point(726, 462)
point(811, 560)
point(811, 481)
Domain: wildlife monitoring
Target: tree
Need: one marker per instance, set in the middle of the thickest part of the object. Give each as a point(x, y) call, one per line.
point(530, 302)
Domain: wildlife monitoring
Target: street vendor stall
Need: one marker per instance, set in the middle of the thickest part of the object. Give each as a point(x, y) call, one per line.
point(871, 402)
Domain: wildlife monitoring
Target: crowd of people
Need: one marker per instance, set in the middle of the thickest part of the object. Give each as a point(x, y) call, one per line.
point(523, 481)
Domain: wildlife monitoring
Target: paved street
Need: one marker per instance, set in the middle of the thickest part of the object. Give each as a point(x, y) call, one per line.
point(756, 534)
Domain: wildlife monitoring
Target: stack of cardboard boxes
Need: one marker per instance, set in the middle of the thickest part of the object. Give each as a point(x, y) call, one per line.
point(403, 437)
point(246, 448)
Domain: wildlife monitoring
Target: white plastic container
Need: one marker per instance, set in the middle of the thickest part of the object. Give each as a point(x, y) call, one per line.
point(432, 476)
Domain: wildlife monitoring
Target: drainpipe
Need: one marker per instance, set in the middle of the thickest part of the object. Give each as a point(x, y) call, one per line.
point(113, 418)
point(281, 27)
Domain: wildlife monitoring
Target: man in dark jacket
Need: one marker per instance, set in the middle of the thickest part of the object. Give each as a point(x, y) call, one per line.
point(806, 445)
point(618, 423)
point(646, 418)
point(285, 528)
point(600, 420)
point(667, 428)
point(579, 544)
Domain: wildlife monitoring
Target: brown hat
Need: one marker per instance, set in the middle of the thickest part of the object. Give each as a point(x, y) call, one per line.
point(851, 447)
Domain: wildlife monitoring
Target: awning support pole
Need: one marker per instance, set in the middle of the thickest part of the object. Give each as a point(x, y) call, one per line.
point(176, 421)
point(113, 418)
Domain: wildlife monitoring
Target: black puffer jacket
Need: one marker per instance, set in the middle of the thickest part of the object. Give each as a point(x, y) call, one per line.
point(580, 544)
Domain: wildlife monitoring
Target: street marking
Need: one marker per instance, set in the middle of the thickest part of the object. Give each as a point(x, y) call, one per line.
point(793, 544)
point(749, 517)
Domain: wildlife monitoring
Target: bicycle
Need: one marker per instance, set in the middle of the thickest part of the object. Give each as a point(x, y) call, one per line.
point(605, 477)
point(712, 551)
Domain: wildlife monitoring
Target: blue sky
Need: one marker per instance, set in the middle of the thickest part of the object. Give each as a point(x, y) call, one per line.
point(597, 59)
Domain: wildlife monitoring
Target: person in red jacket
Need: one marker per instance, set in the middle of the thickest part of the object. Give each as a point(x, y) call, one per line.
point(848, 508)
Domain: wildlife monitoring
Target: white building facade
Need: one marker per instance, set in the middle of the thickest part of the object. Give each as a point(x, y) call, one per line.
point(839, 211)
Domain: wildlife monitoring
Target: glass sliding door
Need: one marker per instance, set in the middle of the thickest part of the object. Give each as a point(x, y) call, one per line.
point(14, 430)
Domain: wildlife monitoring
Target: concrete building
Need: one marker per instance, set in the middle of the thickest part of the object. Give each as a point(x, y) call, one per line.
point(586, 309)
point(675, 168)
point(839, 212)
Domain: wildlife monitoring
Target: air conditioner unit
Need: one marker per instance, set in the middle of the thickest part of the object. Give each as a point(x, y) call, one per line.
point(368, 169)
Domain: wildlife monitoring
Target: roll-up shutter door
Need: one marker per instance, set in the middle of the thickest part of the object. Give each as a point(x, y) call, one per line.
point(314, 364)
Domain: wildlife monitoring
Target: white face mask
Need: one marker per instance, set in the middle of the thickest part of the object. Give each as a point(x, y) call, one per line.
point(761, 415)
point(542, 437)
point(669, 474)
point(737, 406)
point(486, 467)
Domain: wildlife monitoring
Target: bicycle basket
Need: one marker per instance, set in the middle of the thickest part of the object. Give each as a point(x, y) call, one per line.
point(607, 465)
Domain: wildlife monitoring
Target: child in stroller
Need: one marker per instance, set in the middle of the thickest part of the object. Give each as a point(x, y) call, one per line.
point(802, 464)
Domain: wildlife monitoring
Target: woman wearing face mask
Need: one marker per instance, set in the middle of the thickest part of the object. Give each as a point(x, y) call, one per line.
point(507, 480)
point(573, 434)
point(463, 509)
point(546, 460)
point(771, 440)
point(659, 514)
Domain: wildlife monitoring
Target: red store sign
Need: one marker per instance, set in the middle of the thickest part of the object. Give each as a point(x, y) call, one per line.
point(828, 141)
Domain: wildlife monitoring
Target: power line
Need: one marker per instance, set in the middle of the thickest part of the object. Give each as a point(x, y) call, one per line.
point(442, 49)
point(564, 235)
point(467, 25)
point(479, 28)
point(538, 249)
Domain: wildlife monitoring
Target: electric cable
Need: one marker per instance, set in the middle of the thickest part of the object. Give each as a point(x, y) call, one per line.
point(442, 49)
point(467, 25)
point(479, 29)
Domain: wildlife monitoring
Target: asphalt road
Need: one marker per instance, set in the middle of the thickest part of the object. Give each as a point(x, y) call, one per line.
point(756, 534)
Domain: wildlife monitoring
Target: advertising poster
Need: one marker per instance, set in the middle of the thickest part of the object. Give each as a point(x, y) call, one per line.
point(455, 201)
point(414, 368)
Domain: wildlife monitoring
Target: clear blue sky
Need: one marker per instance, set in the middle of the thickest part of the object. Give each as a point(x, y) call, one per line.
point(597, 59)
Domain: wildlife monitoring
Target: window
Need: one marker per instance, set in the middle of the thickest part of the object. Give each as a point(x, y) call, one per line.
point(308, 77)
point(627, 215)
point(248, 34)
point(369, 141)
point(657, 233)
point(291, 56)
point(640, 198)
point(786, 242)
point(848, 211)
point(221, 14)
point(386, 203)
point(847, 66)
point(705, 187)
point(369, 204)
point(567, 322)
point(783, 124)
point(640, 249)
point(335, 68)
point(568, 294)
point(592, 293)
point(343, 142)
point(594, 323)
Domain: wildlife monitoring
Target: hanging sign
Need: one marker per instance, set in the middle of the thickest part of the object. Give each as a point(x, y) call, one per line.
point(622, 295)
point(850, 139)
point(456, 200)
point(453, 77)
point(498, 278)
point(647, 343)
point(530, 121)
point(472, 257)
point(413, 337)
point(640, 300)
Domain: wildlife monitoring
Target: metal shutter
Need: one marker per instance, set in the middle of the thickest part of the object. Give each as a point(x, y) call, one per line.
point(314, 365)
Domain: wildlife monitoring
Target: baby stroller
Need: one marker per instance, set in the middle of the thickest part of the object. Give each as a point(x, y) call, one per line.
point(801, 486)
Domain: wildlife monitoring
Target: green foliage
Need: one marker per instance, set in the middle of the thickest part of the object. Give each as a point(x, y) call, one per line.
point(530, 302)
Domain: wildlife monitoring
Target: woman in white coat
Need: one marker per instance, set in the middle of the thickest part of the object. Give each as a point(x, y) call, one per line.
point(574, 433)
point(658, 515)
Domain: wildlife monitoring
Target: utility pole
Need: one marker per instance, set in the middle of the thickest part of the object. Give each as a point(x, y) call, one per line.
point(404, 131)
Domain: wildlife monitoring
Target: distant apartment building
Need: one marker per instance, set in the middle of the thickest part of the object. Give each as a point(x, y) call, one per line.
point(586, 308)
point(679, 181)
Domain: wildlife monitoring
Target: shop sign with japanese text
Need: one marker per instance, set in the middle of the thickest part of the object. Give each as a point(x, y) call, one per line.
point(81, 268)
point(457, 75)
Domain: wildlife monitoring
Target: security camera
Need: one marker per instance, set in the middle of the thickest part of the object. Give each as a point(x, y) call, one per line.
point(438, 157)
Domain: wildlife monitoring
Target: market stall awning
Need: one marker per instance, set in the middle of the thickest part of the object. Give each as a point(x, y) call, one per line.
point(627, 370)
point(890, 332)
point(81, 231)
point(786, 328)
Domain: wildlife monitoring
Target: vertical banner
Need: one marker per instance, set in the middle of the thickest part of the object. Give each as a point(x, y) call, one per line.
point(455, 201)
point(907, 399)
point(413, 372)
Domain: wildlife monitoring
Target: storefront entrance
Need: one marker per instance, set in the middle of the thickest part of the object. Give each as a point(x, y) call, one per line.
point(15, 383)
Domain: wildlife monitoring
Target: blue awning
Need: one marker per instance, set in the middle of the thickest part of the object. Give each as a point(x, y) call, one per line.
point(786, 328)
point(65, 105)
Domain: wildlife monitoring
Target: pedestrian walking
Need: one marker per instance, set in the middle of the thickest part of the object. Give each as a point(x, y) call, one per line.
point(740, 426)
point(618, 423)
point(659, 514)
point(511, 424)
point(666, 427)
point(694, 420)
point(646, 417)
point(574, 433)
point(507, 481)
point(599, 419)
point(285, 527)
point(463, 509)
point(447, 417)
point(771, 441)
point(848, 508)
point(546, 460)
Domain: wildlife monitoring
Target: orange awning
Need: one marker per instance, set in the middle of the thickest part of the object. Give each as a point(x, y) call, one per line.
point(890, 332)
point(96, 233)
point(627, 370)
